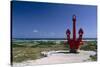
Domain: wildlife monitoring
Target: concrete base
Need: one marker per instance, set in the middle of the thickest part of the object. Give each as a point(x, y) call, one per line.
point(73, 51)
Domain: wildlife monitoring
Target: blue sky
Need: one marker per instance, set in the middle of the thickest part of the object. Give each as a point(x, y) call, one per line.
point(49, 20)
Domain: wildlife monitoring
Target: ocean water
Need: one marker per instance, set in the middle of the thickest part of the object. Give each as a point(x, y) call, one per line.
point(48, 39)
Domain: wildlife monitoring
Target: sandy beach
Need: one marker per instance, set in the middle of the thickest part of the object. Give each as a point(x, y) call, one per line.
point(53, 57)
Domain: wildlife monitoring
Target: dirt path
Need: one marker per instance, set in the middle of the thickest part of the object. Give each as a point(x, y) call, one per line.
point(54, 57)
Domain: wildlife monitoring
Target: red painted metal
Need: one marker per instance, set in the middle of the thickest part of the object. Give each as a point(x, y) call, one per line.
point(74, 43)
point(74, 27)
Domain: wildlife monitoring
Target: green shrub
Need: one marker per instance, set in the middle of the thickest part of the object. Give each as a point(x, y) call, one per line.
point(91, 45)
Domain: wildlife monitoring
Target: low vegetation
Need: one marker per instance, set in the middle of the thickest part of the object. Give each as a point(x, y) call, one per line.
point(94, 58)
point(89, 46)
point(31, 50)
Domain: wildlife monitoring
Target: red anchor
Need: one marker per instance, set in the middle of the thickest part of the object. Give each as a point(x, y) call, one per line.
point(74, 43)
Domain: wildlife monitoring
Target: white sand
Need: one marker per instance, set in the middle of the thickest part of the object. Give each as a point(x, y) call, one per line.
point(53, 57)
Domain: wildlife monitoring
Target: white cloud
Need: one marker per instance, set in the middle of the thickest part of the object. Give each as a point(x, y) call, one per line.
point(35, 31)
